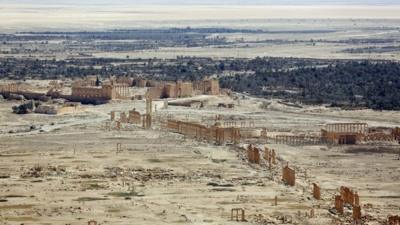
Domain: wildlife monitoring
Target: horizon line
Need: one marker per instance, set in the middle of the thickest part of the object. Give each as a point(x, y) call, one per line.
point(203, 4)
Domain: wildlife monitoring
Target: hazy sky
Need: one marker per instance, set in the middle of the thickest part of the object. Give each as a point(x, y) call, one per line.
point(207, 2)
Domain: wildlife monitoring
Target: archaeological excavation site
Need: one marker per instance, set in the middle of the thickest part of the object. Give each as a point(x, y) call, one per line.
point(199, 112)
point(145, 151)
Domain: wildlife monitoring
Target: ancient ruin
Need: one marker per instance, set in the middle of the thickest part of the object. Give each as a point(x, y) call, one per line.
point(238, 214)
point(226, 142)
point(10, 88)
point(266, 153)
point(298, 140)
point(180, 89)
point(207, 87)
point(93, 93)
point(147, 118)
point(273, 157)
point(92, 222)
point(316, 191)
point(85, 91)
point(214, 133)
point(344, 133)
point(191, 112)
point(171, 90)
point(339, 204)
point(288, 175)
point(348, 195)
point(135, 117)
point(253, 153)
point(393, 220)
point(396, 133)
point(357, 213)
point(119, 148)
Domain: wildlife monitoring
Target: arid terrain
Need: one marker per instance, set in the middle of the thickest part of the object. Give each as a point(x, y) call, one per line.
point(301, 31)
point(67, 170)
point(117, 114)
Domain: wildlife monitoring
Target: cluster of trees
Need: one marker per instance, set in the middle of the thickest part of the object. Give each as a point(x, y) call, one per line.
point(183, 68)
point(373, 49)
point(369, 84)
point(350, 83)
point(143, 38)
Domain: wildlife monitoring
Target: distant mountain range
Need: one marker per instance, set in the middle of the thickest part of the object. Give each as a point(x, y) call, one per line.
point(203, 2)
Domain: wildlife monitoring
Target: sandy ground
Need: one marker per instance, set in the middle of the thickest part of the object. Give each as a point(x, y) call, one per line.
point(165, 178)
point(343, 23)
point(31, 16)
point(321, 51)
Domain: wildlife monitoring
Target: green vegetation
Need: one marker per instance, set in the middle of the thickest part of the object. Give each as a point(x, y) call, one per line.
point(346, 83)
point(374, 85)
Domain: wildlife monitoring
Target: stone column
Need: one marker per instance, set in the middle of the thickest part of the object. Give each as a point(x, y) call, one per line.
point(266, 153)
point(356, 199)
point(339, 204)
point(112, 116)
point(316, 191)
point(273, 157)
point(357, 213)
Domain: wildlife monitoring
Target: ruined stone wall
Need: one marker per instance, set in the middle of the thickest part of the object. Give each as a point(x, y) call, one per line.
point(233, 134)
point(207, 87)
point(3, 88)
point(180, 89)
point(396, 133)
point(212, 87)
point(154, 92)
point(84, 94)
point(253, 153)
point(132, 117)
point(347, 195)
point(344, 133)
point(347, 128)
point(350, 199)
point(124, 80)
point(382, 134)
point(316, 191)
point(199, 131)
point(187, 128)
point(288, 176)
point(106, 92)
point(109, 92)
point(379, 136)
point(89, 81)
point(394, 220)
point(141, 82)
point(184, 89)
point(298, 140)
point(169, 91)
point(18, 89)
point(341, 137)
point(135, 117)
point(10, 88)
point(339, 204)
